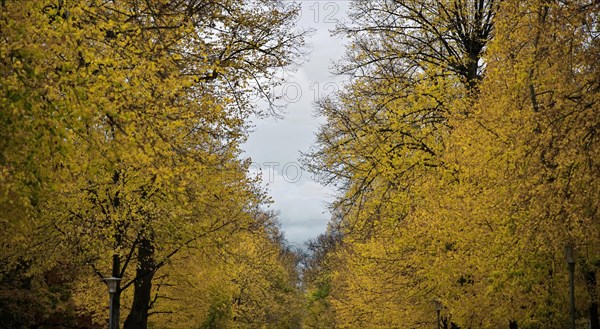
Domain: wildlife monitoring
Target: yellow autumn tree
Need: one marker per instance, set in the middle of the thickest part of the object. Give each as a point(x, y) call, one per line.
point(128, 115)
point(246, 280)
point(480, 222)
point(414, 64)
point(526, 162)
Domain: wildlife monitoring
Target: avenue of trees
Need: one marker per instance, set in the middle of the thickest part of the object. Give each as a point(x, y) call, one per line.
point(465, 146)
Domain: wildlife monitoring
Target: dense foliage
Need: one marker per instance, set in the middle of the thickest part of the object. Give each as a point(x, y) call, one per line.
point(120, 130)
point(466, 147)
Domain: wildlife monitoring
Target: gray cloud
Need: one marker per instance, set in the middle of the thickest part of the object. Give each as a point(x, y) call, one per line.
point(275, 144)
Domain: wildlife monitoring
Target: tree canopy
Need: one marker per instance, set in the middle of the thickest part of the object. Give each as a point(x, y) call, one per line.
point(464, 145)
point(465, 148)
point(121, 125)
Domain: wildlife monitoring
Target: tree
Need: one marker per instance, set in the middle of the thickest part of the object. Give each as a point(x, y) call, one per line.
point(526, 154)
point(413, 65)
point(405, 83)
point(318, 268)
point(246, 280)
point(132, 113)
point(464, 189)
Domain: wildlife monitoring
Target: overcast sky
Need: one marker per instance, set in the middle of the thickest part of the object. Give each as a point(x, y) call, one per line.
point(275, 144)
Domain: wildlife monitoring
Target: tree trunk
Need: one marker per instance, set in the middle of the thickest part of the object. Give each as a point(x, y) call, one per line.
point(138, 317)
point(512, 324)
point(448, 324)
point(591, 283)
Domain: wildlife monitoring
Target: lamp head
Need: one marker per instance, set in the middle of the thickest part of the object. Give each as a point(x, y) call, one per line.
point(112, 284)
point(570, 253)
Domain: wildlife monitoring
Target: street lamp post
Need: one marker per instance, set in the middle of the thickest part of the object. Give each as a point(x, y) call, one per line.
point(113, 286)
point(570, 257)
point(438, 309)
